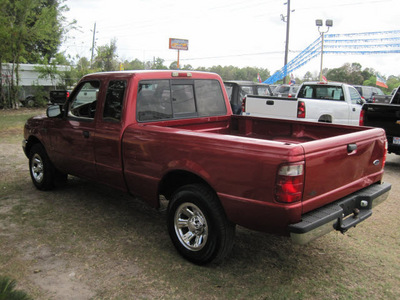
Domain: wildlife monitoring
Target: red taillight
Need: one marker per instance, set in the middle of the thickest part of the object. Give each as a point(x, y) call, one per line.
point(301, 109)
point(67, 95)
point(244, 104)
point(181, 74)
point(289, 183)
point(385, 154)
point(362, 112)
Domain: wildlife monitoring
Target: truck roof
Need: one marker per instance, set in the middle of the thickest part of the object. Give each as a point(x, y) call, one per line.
point(334, 83)
point(174, 73)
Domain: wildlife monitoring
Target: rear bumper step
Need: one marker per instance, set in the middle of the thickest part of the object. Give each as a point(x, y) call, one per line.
point(340, 215)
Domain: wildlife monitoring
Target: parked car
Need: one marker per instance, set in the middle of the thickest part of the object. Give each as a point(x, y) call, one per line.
point(237, 91)
point(368, 93)
point(384, 98)
point(286, 90)
point(32, 101)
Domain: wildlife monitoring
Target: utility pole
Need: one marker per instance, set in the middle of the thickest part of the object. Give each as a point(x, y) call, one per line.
point(287, 20)
point(94, 39)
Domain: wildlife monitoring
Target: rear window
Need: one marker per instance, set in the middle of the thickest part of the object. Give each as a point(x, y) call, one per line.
point(321, 92)
point(378, 91)
point(263, 91)
point(283, 89)
point(173, 99)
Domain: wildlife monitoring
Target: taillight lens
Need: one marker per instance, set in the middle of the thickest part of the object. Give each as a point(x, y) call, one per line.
point(385, 154)
point(289, 183)
point(244, 104)
point(362, 112)
point(181, 74)
point(301, 109)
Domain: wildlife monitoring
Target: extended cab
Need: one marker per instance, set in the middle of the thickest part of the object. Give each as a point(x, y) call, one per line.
point(332, 102)
point(172, 134)
point(386, 116)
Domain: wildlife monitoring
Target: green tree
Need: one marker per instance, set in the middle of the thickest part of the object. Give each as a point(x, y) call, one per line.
point(352, 74)
point(30, 30)
point(134, 65)
point(392, 83)
point(159, 64)
point(47, 24)
point(106, 59)
point(308, 76)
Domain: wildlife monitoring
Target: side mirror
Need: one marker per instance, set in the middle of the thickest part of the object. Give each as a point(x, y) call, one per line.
point(58, 97)
point(54, 111)
point(361, 101)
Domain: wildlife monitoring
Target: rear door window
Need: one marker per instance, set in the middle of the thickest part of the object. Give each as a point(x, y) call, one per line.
point(114, 100)
point(165, 99)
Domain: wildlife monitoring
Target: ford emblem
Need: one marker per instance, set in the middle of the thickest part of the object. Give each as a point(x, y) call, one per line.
point(376, 162)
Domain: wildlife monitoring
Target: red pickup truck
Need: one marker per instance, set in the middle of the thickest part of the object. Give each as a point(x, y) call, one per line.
point(172, 134)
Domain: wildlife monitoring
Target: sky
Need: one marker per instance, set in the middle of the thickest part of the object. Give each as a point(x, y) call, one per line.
point(240, 33)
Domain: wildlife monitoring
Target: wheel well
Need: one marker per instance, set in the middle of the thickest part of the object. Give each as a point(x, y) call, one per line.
point(325, 118)
point(174, 180)
point(32, 140)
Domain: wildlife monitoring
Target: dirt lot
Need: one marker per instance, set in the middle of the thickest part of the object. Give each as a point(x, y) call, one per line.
point(85, 241)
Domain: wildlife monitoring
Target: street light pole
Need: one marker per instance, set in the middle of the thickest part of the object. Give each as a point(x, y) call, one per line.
point(328, 24)
point(322, 55)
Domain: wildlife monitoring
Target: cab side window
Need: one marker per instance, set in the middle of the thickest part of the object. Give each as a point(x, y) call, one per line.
point(114, 100)
point(83, 103)
point(177, 99)
point(355, 96)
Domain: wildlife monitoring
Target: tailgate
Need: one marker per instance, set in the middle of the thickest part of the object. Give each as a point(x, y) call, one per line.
point(341, 165)
point(385, 116)
point(273, 107)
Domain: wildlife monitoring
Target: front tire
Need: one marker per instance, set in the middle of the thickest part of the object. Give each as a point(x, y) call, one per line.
point(198, 226)
point(44, 175)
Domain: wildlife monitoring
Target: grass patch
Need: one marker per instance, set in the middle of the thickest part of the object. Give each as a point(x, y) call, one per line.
point(15, 119)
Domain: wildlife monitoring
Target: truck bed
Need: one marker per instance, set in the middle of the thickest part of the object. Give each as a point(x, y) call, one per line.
point(338, 160)
point(285, 131)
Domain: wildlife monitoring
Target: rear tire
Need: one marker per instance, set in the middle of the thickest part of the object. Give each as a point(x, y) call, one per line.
point(198, 226)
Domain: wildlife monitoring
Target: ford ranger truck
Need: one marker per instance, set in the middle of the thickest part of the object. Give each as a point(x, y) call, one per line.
point(173, 134)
